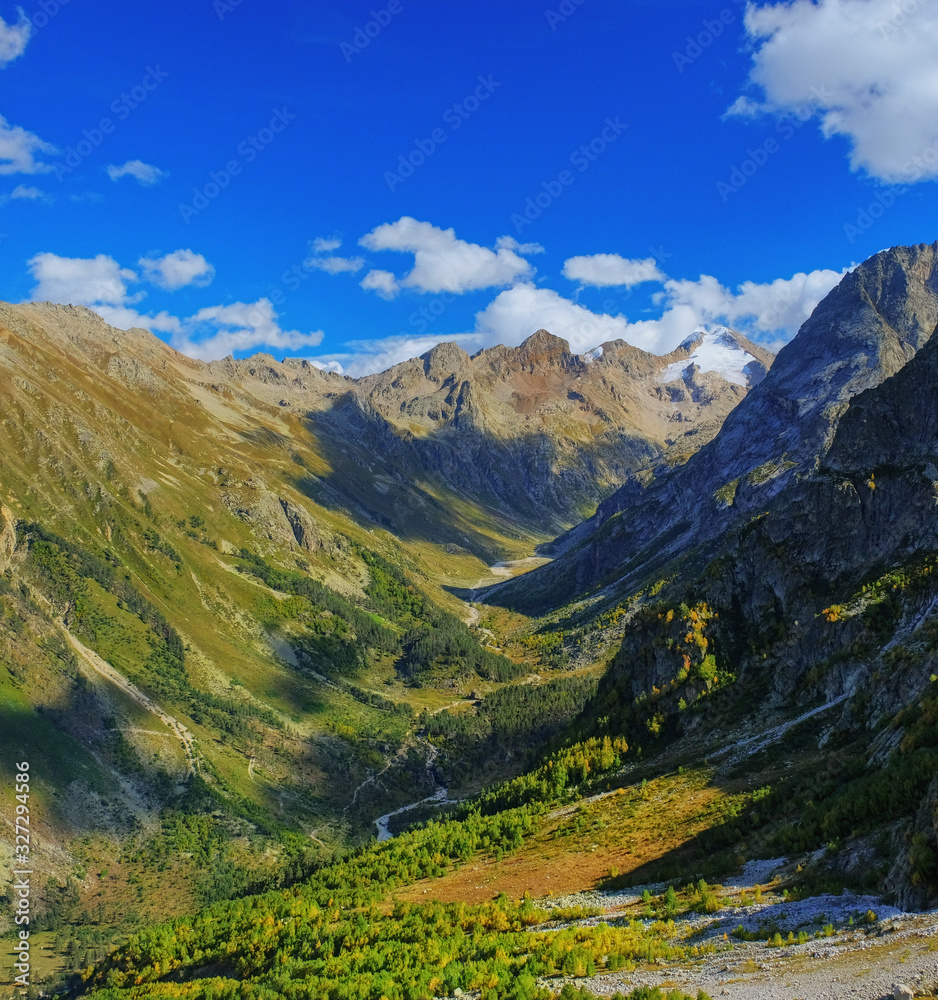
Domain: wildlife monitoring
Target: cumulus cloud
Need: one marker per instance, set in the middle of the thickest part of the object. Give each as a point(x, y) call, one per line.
point(364, 357)
point(145, 173)
point(865, 68)
point(444, 263)
point(335, 265)
point(768, 312)
point(213, 332)
point(19, 149)
point(126, 318)
point(323, 244)
point(774, 307)
point(330, 263)
point(217, 331)
point(603, 270)
point(772, 310)
point(25, 192)
point(177, 269)
point(510, 243)
point(80, 281)
point(382, 282)
point(327, 366)
point(517, 312)
point(14, 37)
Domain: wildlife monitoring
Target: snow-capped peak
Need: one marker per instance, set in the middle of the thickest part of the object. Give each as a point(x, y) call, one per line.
point(717, 350)
point(594, 355)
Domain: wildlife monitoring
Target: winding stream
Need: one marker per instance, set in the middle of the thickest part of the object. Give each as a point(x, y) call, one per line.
point(439, 798)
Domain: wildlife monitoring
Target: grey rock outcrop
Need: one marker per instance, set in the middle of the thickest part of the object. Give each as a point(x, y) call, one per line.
point(865, 330)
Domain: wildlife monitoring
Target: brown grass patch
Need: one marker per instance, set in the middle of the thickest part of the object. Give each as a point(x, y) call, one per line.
point(580, 845)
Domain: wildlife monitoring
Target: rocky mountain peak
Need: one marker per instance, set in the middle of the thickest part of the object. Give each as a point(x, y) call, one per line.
point(448, 358)
point(543, 346)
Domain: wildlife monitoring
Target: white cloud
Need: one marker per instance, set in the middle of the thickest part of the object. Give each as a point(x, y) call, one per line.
point(145, 173)
point(865, 68)
point(518, 312)
point(382, 282)
point(19, 148)
point(217, 331)
point(444, 263)
point(364, 357)
point(510, 243)
point(124, 318)
point(323, 244)
point(330, 263)
point(778, 306)
point(99, 283)
point(327, 366)
point(102, 284)
point(604, 270)
point(177, 269)
point(13, 37)
point(769, 312)
point(743, 107)
point(773, 310)
point(26, 191)
point(80, 281)
point(335, 265)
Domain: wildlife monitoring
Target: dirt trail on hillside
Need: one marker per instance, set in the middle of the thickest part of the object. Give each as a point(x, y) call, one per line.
point(105, 670)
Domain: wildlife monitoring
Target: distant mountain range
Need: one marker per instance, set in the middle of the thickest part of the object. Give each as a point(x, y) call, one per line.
point(530, 439)
point(535, 436)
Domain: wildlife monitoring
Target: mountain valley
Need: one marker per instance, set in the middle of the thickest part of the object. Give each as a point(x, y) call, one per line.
point(592, 633)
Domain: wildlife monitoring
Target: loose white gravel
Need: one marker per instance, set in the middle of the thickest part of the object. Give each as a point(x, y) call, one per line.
point(860, 960)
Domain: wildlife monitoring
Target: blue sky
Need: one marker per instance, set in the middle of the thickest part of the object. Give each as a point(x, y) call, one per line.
point(355, 182)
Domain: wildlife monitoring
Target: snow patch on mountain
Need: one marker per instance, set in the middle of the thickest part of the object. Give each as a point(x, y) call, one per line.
point(717, 351)
point(594, 355)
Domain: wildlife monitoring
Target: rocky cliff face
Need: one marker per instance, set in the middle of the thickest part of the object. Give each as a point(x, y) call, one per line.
point(813, 581)
point(828, 597)
point(863, 332)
